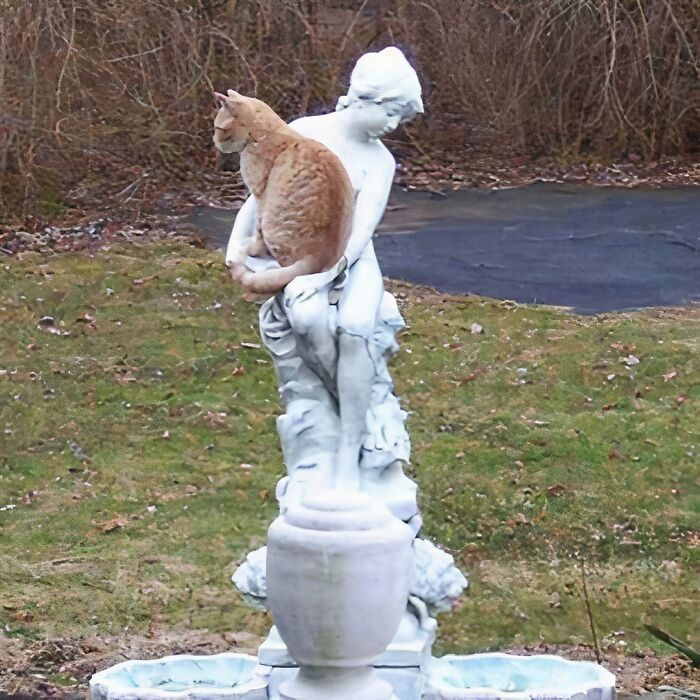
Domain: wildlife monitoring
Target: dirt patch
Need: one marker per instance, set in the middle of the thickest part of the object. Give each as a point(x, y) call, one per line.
point(445, 170)
point(89, 234)
point(637, 674)
point(62, 668)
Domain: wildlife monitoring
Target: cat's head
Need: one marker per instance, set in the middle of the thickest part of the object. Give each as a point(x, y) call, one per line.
point(235, 121)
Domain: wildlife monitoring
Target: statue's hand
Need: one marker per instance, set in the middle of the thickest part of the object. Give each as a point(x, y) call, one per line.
point(237, 252)
point(243, 275)
point(245, 278)
point(237, 270)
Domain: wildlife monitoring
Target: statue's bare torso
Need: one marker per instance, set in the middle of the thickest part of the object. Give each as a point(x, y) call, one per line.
point(358, 157)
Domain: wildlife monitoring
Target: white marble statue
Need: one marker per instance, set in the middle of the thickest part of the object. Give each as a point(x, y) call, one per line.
point(332, 333)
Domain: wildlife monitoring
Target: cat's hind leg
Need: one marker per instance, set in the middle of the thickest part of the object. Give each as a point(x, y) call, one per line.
point(276, 279)
point(257, 247)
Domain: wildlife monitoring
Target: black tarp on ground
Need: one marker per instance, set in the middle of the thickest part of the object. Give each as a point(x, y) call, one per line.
point(595, 249)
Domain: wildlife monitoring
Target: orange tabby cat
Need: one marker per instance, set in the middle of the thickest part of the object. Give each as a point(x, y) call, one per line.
point(303, 193)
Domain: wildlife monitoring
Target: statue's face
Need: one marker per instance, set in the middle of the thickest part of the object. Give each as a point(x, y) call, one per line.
point(379, 119)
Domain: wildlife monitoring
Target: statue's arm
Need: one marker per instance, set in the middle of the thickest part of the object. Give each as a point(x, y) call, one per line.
point(369, 207)
point(242, 232)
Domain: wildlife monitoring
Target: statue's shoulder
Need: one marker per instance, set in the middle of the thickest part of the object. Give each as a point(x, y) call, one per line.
point(306, 126)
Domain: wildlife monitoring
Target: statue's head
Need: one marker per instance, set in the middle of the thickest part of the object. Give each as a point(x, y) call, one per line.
point(384, 90)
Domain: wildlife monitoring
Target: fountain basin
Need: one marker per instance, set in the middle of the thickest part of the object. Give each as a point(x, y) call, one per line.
point(182, 677)
point(496, 676)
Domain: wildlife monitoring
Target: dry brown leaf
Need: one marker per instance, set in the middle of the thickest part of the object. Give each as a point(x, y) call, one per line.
point(125, 377)
point(111, 525)
point(214, 420)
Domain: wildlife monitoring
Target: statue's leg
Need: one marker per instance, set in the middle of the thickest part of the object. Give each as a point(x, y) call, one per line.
point(309, 317)
point(357, 315)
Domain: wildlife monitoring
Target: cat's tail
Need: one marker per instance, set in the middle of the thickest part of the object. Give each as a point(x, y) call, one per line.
point(274, 280)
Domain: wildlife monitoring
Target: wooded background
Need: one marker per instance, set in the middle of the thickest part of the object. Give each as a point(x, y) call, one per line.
point(91, 87)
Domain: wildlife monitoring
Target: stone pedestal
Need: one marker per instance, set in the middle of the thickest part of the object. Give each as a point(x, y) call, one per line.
point(338, 573)
point(411, 647)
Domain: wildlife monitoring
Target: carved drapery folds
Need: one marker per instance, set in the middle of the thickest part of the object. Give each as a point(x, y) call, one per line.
point(310, 427)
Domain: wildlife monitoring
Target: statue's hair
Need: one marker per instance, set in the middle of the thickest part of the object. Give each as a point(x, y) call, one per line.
point(384, 75)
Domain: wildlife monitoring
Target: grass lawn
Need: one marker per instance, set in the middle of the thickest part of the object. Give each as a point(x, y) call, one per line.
point(138, 455)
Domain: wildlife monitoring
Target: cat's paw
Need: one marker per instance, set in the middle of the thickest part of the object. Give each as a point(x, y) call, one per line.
point(247, 279)
point(238, 270)
point(248, 282)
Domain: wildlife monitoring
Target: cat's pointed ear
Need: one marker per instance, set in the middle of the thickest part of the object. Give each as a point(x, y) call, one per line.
point(234, 95)
point(219, 99)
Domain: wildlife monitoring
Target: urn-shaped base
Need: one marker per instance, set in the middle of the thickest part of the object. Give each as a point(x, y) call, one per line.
point(338, 570)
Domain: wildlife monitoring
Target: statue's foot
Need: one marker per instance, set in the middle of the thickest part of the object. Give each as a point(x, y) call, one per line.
point(292, 489)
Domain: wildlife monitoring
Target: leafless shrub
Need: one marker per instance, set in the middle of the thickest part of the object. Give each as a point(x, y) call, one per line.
point(569, 76)
point(100, 87)
point(117, 90)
